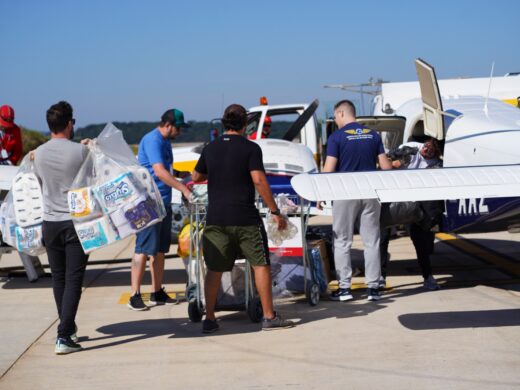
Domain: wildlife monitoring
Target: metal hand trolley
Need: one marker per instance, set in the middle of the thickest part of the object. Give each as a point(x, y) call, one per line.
point(238, 295)
point(300, 215)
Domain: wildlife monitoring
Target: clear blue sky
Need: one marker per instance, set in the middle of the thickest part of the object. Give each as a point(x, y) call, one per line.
point(129, 60)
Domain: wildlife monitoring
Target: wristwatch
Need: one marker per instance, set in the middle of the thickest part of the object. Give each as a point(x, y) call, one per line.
point(276, 212)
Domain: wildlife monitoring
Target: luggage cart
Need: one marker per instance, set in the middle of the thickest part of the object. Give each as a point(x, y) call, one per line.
point(299, 215)
point(237, 288)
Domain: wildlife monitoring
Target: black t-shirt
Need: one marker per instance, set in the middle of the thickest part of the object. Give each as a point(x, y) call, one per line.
point(228, 162)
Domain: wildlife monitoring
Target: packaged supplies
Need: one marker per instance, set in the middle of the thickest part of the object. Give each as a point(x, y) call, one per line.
point(28, 239)
point(27, 199)
point(21, 213)
point(117, 192)
point(96, 233)
point(112, 196)
point(82, 203)
point(135, 216)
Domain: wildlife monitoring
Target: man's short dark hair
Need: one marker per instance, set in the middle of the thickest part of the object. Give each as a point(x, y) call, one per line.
point(167, 118)
point(235, 117)
point(348, 105)
point(58, 116)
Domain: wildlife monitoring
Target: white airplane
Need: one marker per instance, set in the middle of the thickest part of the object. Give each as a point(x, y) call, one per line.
point(7, 174)
point(480, 181)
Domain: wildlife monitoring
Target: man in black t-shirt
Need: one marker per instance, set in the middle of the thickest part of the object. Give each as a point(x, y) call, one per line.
point(234, 169)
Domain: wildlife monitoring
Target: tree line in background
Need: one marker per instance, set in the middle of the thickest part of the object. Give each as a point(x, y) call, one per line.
point(134, 131)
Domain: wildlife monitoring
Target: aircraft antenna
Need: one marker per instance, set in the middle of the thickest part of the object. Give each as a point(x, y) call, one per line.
point(489, 87)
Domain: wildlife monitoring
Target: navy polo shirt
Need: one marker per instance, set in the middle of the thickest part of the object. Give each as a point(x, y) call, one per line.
point(355, 147)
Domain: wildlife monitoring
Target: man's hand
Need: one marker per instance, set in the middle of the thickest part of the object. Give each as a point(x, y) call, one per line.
point(31, 155)
point(85, 141)
point(319, 205)
point(187, 194)
point(281, 221)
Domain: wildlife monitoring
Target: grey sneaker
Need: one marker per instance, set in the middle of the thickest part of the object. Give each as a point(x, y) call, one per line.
point(161, 298)
point(341, 294)
point(65, 346)
point(209, 326)
point(431, 284)
point(382, 283)
point(136, 303)
point(276, 323)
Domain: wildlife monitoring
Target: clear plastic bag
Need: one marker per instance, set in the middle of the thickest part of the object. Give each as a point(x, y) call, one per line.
point(21, 214)
point(112, 196)
point(279, 236)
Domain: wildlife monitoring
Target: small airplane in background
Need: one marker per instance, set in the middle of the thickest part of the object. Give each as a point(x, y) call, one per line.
point(480, 181)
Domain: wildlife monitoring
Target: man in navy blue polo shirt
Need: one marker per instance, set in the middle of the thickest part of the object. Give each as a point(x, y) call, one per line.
point(155, 154)
point(354, 148)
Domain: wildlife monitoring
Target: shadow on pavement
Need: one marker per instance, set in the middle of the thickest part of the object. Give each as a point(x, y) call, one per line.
point(461, 319)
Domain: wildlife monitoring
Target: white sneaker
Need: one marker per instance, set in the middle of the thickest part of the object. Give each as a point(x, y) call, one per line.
point(431, 284)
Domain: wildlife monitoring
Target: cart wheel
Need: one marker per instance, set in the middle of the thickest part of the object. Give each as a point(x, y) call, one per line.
point(254, 310)
point(313, 294)
point(194, 312)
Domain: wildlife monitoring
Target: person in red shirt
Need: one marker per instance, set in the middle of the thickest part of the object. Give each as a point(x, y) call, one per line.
point(11, 147)
point(266, 130)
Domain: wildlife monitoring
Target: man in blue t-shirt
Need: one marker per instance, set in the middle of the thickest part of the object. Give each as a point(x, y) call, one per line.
point(155, 154)
point(354, 148)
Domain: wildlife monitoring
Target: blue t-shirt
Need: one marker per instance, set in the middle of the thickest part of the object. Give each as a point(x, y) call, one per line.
point(153, 149)
point(355, 147)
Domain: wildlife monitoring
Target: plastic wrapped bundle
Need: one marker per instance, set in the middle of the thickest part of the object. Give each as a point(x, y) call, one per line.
point(279, 236)
point(112, 196)
point(27, 199)
point(21, 214)
point(82, 204)
point(118, 192)
point(96, 233)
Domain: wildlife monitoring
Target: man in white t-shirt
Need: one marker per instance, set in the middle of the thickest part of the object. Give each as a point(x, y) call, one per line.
point(418, 156)
point(428, 155)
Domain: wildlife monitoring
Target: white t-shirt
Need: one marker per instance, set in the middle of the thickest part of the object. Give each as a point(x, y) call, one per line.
point(417, 160)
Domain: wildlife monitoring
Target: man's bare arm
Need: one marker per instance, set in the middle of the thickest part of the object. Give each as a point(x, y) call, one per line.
point(197, 176)
point(262, 187)
point(384, 162)
point(166, 177)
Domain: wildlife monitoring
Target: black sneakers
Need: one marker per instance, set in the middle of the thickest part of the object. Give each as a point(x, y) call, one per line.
point(373, 294)
point(276, 323)
point(209, 326)
point(65, 346)
point(161, 298)
point(341, 294)
point(136, 303)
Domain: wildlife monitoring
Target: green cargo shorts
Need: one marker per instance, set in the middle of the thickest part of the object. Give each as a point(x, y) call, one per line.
point(222, 245)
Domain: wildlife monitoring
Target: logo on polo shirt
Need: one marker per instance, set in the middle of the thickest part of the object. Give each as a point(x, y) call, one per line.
point(357, 131)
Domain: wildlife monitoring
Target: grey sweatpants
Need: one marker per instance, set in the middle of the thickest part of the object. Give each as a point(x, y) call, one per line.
point(345, 213)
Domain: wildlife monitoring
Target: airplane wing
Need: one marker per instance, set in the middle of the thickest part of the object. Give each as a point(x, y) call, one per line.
point(7, 173)
point(411, 184)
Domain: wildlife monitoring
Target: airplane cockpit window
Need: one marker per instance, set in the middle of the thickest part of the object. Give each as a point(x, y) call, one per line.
point(252, 123)
point(281, 122)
